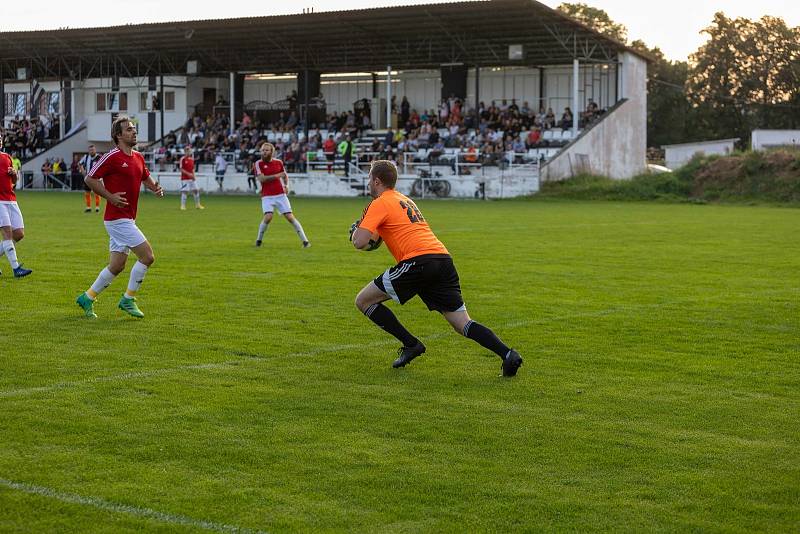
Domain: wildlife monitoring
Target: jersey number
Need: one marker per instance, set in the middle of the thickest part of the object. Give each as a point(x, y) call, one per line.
point(412, 211)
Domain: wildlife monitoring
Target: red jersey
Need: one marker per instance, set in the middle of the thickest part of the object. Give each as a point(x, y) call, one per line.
point(268, 168)
point(329, 147)
point(187, 168)
point(121, 173)
point(6, 186)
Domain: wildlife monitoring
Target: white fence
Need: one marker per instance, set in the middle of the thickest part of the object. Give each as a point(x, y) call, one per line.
point(451, 174)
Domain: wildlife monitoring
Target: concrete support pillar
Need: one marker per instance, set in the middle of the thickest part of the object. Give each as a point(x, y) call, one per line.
point(230, 101)
point(575, 109)
point(388, 96)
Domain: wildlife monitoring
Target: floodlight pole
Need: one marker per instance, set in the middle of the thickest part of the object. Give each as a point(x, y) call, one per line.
point(230, 100)
point(575, 113)
point(388, 96)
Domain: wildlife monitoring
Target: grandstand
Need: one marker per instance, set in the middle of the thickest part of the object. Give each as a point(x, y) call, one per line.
point(490, 109)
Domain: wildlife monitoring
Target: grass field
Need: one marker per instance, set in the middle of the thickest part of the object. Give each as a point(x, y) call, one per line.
point(660, 391)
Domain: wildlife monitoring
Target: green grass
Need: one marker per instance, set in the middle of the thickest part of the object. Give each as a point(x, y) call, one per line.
point(660, 391)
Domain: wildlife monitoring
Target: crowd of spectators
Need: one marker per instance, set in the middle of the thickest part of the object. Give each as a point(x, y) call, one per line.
point(497, 130)
point(28, 137)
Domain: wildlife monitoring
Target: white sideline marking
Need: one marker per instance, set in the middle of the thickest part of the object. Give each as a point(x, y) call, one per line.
point(136, 511)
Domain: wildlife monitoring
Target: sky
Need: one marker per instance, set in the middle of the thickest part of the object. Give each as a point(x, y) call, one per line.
point(674, 26)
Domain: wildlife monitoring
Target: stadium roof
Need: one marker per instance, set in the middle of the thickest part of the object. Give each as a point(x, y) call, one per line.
point(406, 37)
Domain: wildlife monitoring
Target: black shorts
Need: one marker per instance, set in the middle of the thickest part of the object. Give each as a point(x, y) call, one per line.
point(431, 276)
point(85, 186)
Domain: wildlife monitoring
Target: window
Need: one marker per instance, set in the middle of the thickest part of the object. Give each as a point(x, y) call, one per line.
point(169, 101)
point(50, 104)
point(16, 104)
point(112, 101)
point(153, 97)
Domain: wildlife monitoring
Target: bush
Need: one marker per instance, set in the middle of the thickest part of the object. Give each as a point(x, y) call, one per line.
point(772, 176)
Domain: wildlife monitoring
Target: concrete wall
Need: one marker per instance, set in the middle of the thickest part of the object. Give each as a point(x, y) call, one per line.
point(763, 139)
point(616, 146)
point(679, 155)
point(77, 142)
point(99, 121)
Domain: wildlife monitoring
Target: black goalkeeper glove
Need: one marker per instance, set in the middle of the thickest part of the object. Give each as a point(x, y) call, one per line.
point(353, 229)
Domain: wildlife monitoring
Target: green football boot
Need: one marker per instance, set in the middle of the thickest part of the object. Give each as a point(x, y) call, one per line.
point(87, 305)
point(128, 305)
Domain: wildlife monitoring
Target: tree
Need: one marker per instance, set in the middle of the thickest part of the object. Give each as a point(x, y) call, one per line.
point(746, 75)
point(597, 19)
point(669, 113)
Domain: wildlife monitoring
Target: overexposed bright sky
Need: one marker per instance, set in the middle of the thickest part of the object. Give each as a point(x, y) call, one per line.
point(674, 26)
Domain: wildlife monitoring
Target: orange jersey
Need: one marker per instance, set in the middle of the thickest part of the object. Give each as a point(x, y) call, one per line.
point(402, 227)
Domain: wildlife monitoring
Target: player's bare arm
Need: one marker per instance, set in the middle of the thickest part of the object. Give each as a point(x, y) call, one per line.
point(268, 178)
point(154, 186)
point(117, 199)
point(362, 237)
point(12, 172)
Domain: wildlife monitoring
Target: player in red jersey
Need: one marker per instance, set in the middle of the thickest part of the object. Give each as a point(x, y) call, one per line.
point(118, 177)
point(11, 225)
point(274, 186)
point(188, 181)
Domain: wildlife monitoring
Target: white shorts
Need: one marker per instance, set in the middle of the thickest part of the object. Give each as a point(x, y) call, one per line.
point(281, 201)
point(123, 235)
point(10, 215)
point(188, 185)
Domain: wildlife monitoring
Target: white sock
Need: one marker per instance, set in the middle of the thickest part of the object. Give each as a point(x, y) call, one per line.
point(299, 229)
point(104, 280)
point(11, 253)
point(197, 198)
point(262, 228)
point(136, 279)
point(183, 200)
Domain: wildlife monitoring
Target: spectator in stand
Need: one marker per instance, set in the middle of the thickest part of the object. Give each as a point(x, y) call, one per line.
point(405, 112)
point(566, 119)
point(549, 119)
point(75, 176)
point(220, 166)
point(366, 122)
point(434, 136)
point(534, 138)
point(346, 150)
point(329, 149)
point(47, 173)
point(16, 163)
point(291, 123)
point(436, 151)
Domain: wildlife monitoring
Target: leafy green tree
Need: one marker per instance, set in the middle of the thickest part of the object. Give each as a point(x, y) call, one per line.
point(596, 19)
point(747, 75)
point(669, 113)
